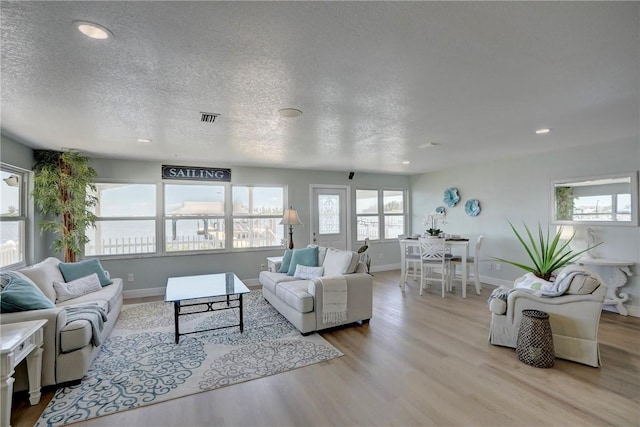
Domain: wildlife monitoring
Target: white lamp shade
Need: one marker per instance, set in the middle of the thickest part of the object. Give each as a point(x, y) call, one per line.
point(291, 217)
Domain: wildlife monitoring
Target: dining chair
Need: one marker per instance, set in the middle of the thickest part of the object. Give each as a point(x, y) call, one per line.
point(433, 254)
point(412, 265)
point(471, 260)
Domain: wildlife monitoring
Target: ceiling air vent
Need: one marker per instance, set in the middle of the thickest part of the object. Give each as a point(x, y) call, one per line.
point(208, 117)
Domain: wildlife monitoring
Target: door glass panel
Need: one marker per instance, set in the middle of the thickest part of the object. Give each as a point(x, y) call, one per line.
point(328, 214)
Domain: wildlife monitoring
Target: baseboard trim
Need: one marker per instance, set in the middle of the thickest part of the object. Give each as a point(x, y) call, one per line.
point(386, 267)
point(141, 293)
point(634, 310)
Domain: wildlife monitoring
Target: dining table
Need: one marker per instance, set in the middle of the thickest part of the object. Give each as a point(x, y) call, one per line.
point(455, 243)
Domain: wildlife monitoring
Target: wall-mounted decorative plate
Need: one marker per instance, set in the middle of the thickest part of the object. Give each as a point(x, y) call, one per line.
point(451, 197)
point(440, 210)
point(472, 207)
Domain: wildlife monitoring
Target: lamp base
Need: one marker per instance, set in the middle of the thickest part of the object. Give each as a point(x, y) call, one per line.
point(291, 237)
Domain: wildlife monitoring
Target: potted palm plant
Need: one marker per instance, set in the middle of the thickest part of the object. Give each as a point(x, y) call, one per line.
point(547, 253)
point(60, 192)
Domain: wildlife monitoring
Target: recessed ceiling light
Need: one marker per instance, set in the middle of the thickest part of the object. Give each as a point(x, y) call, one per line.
point(406, 162)
point(290, 112)
point(144, 140)
point(428, 145)
point(542, 131)
point(92, 30)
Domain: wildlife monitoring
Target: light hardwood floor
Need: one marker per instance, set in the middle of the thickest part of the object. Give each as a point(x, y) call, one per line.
point(421, 361)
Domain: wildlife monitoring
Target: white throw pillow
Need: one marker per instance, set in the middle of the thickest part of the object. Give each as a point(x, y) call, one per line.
point(77, 288)
point(336, 262)
point(306, 272)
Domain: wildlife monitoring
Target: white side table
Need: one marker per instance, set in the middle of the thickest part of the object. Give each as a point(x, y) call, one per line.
point(19, 341)
point(621, 269)
point(273, 263)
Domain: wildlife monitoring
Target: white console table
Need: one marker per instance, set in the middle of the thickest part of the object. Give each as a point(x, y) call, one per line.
point(621, 269)
point(19, 341)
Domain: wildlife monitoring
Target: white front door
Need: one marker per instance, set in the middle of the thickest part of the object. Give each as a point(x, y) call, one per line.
point(329, 212)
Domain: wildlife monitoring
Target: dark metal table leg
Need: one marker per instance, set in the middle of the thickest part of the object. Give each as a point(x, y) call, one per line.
point(176, 311)
point(241, 320)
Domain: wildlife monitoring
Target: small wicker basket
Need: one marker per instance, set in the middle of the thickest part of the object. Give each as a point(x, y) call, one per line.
point(535, 340)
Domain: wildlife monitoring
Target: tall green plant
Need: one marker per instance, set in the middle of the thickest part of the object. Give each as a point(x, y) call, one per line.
point(547, 254)
point(60, 194)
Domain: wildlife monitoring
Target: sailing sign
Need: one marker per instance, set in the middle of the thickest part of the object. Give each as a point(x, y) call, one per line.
point(194, 173)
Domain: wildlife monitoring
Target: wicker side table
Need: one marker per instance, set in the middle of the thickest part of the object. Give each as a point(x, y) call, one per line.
point(535, 341)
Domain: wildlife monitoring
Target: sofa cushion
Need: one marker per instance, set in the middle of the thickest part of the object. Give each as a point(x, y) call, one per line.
point(75, 270)
point(43, 274)
point(306, 272)
point(295, 294)
point(306, 256)
point(109, 295)
point(582, 285)
point(76, 288)
point(19, 293)
point(286, 260)
point(269, 279)
point(339, 262)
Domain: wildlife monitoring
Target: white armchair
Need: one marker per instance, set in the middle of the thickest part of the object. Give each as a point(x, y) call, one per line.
point(574, 318)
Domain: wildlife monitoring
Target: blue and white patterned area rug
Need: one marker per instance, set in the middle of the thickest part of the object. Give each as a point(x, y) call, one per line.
point(140, 364)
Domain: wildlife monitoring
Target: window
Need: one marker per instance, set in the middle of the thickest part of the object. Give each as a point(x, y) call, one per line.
point(393, 209)
point(13, 216)
point(367, 214)
point(136, 218)
point(380, 213)
point(194, 217)
point(126, 220)
point(257, 212)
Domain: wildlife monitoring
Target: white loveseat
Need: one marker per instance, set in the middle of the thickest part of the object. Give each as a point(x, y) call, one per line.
point(67, 349)
point(301, 300)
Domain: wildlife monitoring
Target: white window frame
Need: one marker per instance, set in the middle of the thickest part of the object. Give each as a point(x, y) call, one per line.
point(225, 216)
point(132, 218)
point(250, 217)
point(380, 214)
point(161, 218)
point(25, 246)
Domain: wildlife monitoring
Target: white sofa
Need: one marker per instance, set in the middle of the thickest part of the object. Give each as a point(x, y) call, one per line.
point(574, 318)
point(67, 350)
point(300, 300)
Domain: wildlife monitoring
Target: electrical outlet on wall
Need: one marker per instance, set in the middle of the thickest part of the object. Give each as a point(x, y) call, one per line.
point(498, 266)
point(130, 277)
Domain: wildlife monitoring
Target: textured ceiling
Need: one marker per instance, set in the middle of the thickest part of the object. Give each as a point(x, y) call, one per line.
point(375, 80)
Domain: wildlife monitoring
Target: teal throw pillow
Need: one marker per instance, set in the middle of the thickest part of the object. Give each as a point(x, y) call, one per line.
point(21, 294)
point(306, 256)
point(286, 260)
point(75, 270)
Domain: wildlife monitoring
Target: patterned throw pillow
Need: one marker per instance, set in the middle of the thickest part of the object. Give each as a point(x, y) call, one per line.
point(77, 288)
point(306, 272)
point(18, 293)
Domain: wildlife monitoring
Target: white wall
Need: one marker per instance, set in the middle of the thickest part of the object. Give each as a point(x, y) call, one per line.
point(519, 190)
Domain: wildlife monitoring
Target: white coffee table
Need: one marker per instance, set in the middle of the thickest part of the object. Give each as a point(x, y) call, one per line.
point(19, 341)
point(181, 291)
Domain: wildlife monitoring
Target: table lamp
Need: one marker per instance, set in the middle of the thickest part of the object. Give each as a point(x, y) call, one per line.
point(290, 218)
